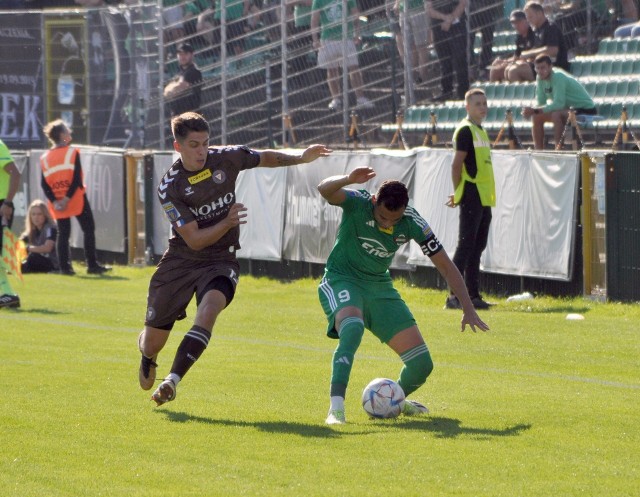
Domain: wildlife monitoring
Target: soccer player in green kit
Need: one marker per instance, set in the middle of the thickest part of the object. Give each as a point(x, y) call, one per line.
point(357, 292)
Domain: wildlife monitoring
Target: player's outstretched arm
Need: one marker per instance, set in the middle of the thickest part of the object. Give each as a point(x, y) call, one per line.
point(450, 273)
point(276, 158)
point(332, 188)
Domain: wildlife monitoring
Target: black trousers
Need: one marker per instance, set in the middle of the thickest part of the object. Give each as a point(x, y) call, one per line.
point(451, 47)
point(473, 233)
point(37, 263)
point(87, 224)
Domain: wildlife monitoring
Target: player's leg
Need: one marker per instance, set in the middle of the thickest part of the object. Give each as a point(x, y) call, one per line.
point(392, 323)
point(212, 300)
point(342, 304)
point(8, 298)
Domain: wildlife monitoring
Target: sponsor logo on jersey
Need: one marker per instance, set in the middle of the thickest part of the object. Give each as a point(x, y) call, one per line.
point(201, 176)
point(171, 212)
point(375, 248)
point(371, 224)
point(188, 191)
point(211, 209)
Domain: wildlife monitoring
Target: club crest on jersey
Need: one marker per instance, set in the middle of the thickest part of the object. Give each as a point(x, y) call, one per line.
point(201, 176)
point(189, 190)
point(171, 212)
point(400, 240)
point(219, 177)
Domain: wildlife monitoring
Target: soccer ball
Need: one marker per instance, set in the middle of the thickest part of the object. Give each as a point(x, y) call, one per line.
point(383, 398)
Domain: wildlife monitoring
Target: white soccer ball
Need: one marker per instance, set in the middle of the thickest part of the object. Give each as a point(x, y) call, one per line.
point(383, 398)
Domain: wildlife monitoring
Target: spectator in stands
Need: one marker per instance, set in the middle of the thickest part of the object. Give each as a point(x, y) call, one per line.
point(172, 15)
point(192, 11)
point(416, 32)
point(326, 17)
point(483, 17)
point(515, 69)
point(449, 28)
point(183, 92)
point(300, 41)
point(40, 236)
point(549, 37)
point(556, 92)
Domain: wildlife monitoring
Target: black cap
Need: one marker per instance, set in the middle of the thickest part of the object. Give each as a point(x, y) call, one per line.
point(517, 15)
point(185, 47)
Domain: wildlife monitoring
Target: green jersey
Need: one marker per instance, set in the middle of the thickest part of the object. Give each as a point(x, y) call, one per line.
point(331, 18)
point(5, 178)
point(363, 250)
point(562, 91)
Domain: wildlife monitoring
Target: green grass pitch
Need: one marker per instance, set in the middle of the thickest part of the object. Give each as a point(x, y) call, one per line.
point(539, 406)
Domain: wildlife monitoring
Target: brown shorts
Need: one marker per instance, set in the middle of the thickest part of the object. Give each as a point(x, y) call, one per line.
point(175, 282)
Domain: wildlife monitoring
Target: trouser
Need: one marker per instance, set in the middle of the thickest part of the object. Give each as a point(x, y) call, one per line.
point(37, 263)
point(87, 224)
point(473, 233)
point(451, 47)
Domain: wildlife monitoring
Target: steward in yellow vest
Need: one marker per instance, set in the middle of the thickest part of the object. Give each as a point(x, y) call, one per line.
point(474, 193)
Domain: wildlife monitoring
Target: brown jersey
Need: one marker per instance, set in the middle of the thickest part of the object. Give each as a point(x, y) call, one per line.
point(205, 196)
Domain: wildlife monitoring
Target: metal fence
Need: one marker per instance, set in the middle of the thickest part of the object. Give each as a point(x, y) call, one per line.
point(261, 82)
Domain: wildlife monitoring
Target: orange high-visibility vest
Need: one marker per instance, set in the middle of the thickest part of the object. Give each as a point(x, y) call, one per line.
point(57, 167)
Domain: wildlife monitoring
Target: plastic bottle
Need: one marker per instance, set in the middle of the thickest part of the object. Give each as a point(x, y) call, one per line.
point(520, 297)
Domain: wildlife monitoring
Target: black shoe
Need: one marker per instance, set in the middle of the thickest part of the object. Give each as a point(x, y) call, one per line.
point(9, 301)
point(67, 271)
point(98, 269)
point(452, 302)
point(478, 303)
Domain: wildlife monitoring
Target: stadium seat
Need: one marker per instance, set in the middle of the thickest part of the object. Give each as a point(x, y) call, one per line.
point(576, 68)
point(627, 67)
point(529, 91)
point(616, 67)
point(509, 91)
point(633, 89)
point(595, 67)
point(606, 68)
point(601, 89)
point(622, 88)
point(636, 66)
point(590, 86)
point(490, 90)
point(604, 46)
point(611, 89)
point(499, 91)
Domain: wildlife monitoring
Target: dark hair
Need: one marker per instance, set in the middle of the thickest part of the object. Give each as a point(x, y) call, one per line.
point(187, 122)
point(393, 195)
point(533, 6)
point(54, 129)
point(543, 57)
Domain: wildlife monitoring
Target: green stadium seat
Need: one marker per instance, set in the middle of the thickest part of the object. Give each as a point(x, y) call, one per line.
point(636, 67)
point(576, 68)
point(622, 88)
point(529, 91)
point(606, 68)
point(611, 89)
point(490, 91)
point(616, 67)
point(604, 46)
point(499, 91)
point(595, 67)
point(601, 89)
point(509, 91)
point(518, 91)
point(590, 86)
point(626, 68)
point(442, 113)
point(633, 89)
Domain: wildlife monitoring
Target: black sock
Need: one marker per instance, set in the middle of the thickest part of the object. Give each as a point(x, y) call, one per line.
point(190, 349)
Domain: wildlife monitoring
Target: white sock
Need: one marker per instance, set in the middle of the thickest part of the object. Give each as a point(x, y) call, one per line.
point(173, 377)
point(337, 404)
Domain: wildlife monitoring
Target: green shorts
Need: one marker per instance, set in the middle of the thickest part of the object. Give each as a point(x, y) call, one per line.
point(383, 310)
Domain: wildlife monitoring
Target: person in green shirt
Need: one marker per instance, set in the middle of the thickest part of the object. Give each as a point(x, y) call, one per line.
point(556, 92)
point(9, 184)
point(357, 292)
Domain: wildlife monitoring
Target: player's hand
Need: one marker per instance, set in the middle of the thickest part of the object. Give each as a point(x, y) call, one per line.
point(361, 175)
point(472, 319)
point(527, 112)
point(315, 151)
point(236, 216)
point(450, 201)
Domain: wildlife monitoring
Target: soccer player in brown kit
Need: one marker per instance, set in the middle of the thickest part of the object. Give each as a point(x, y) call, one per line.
point(198, 196)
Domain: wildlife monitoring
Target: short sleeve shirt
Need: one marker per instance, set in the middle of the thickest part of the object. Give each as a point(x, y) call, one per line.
point(363, 250)
point(205, 196)
point(524, 43)
point(5, 158)
point(331, 18)
point(550, 35)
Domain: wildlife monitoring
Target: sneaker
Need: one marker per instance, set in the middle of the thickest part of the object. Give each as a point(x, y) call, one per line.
point(98, 269)
point(452, 302)
point(166, 392)
point(413, 408)
point(147, 371)
point(336, 417)
point(7, 300)
point(335, 104)
point(364, 103)
point(478, 303)
point(66, 271)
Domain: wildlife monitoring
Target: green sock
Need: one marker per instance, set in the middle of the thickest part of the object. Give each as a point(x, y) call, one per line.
point(417, 367)
point(350, 333)
point(5, 286)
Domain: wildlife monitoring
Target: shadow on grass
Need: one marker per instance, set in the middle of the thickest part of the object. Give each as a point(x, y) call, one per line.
point(304, 430)
point(33, 310)
point(567, 309)
point(439, 426)
point(452, 428)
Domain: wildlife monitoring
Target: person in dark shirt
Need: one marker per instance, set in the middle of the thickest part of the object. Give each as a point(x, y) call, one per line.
point(183, 92)
point(515, 69)
point(40, 236)
point(549, 37)
point(198, 196)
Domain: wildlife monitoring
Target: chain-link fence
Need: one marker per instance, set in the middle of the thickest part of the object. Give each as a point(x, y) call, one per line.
point(104, 70)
